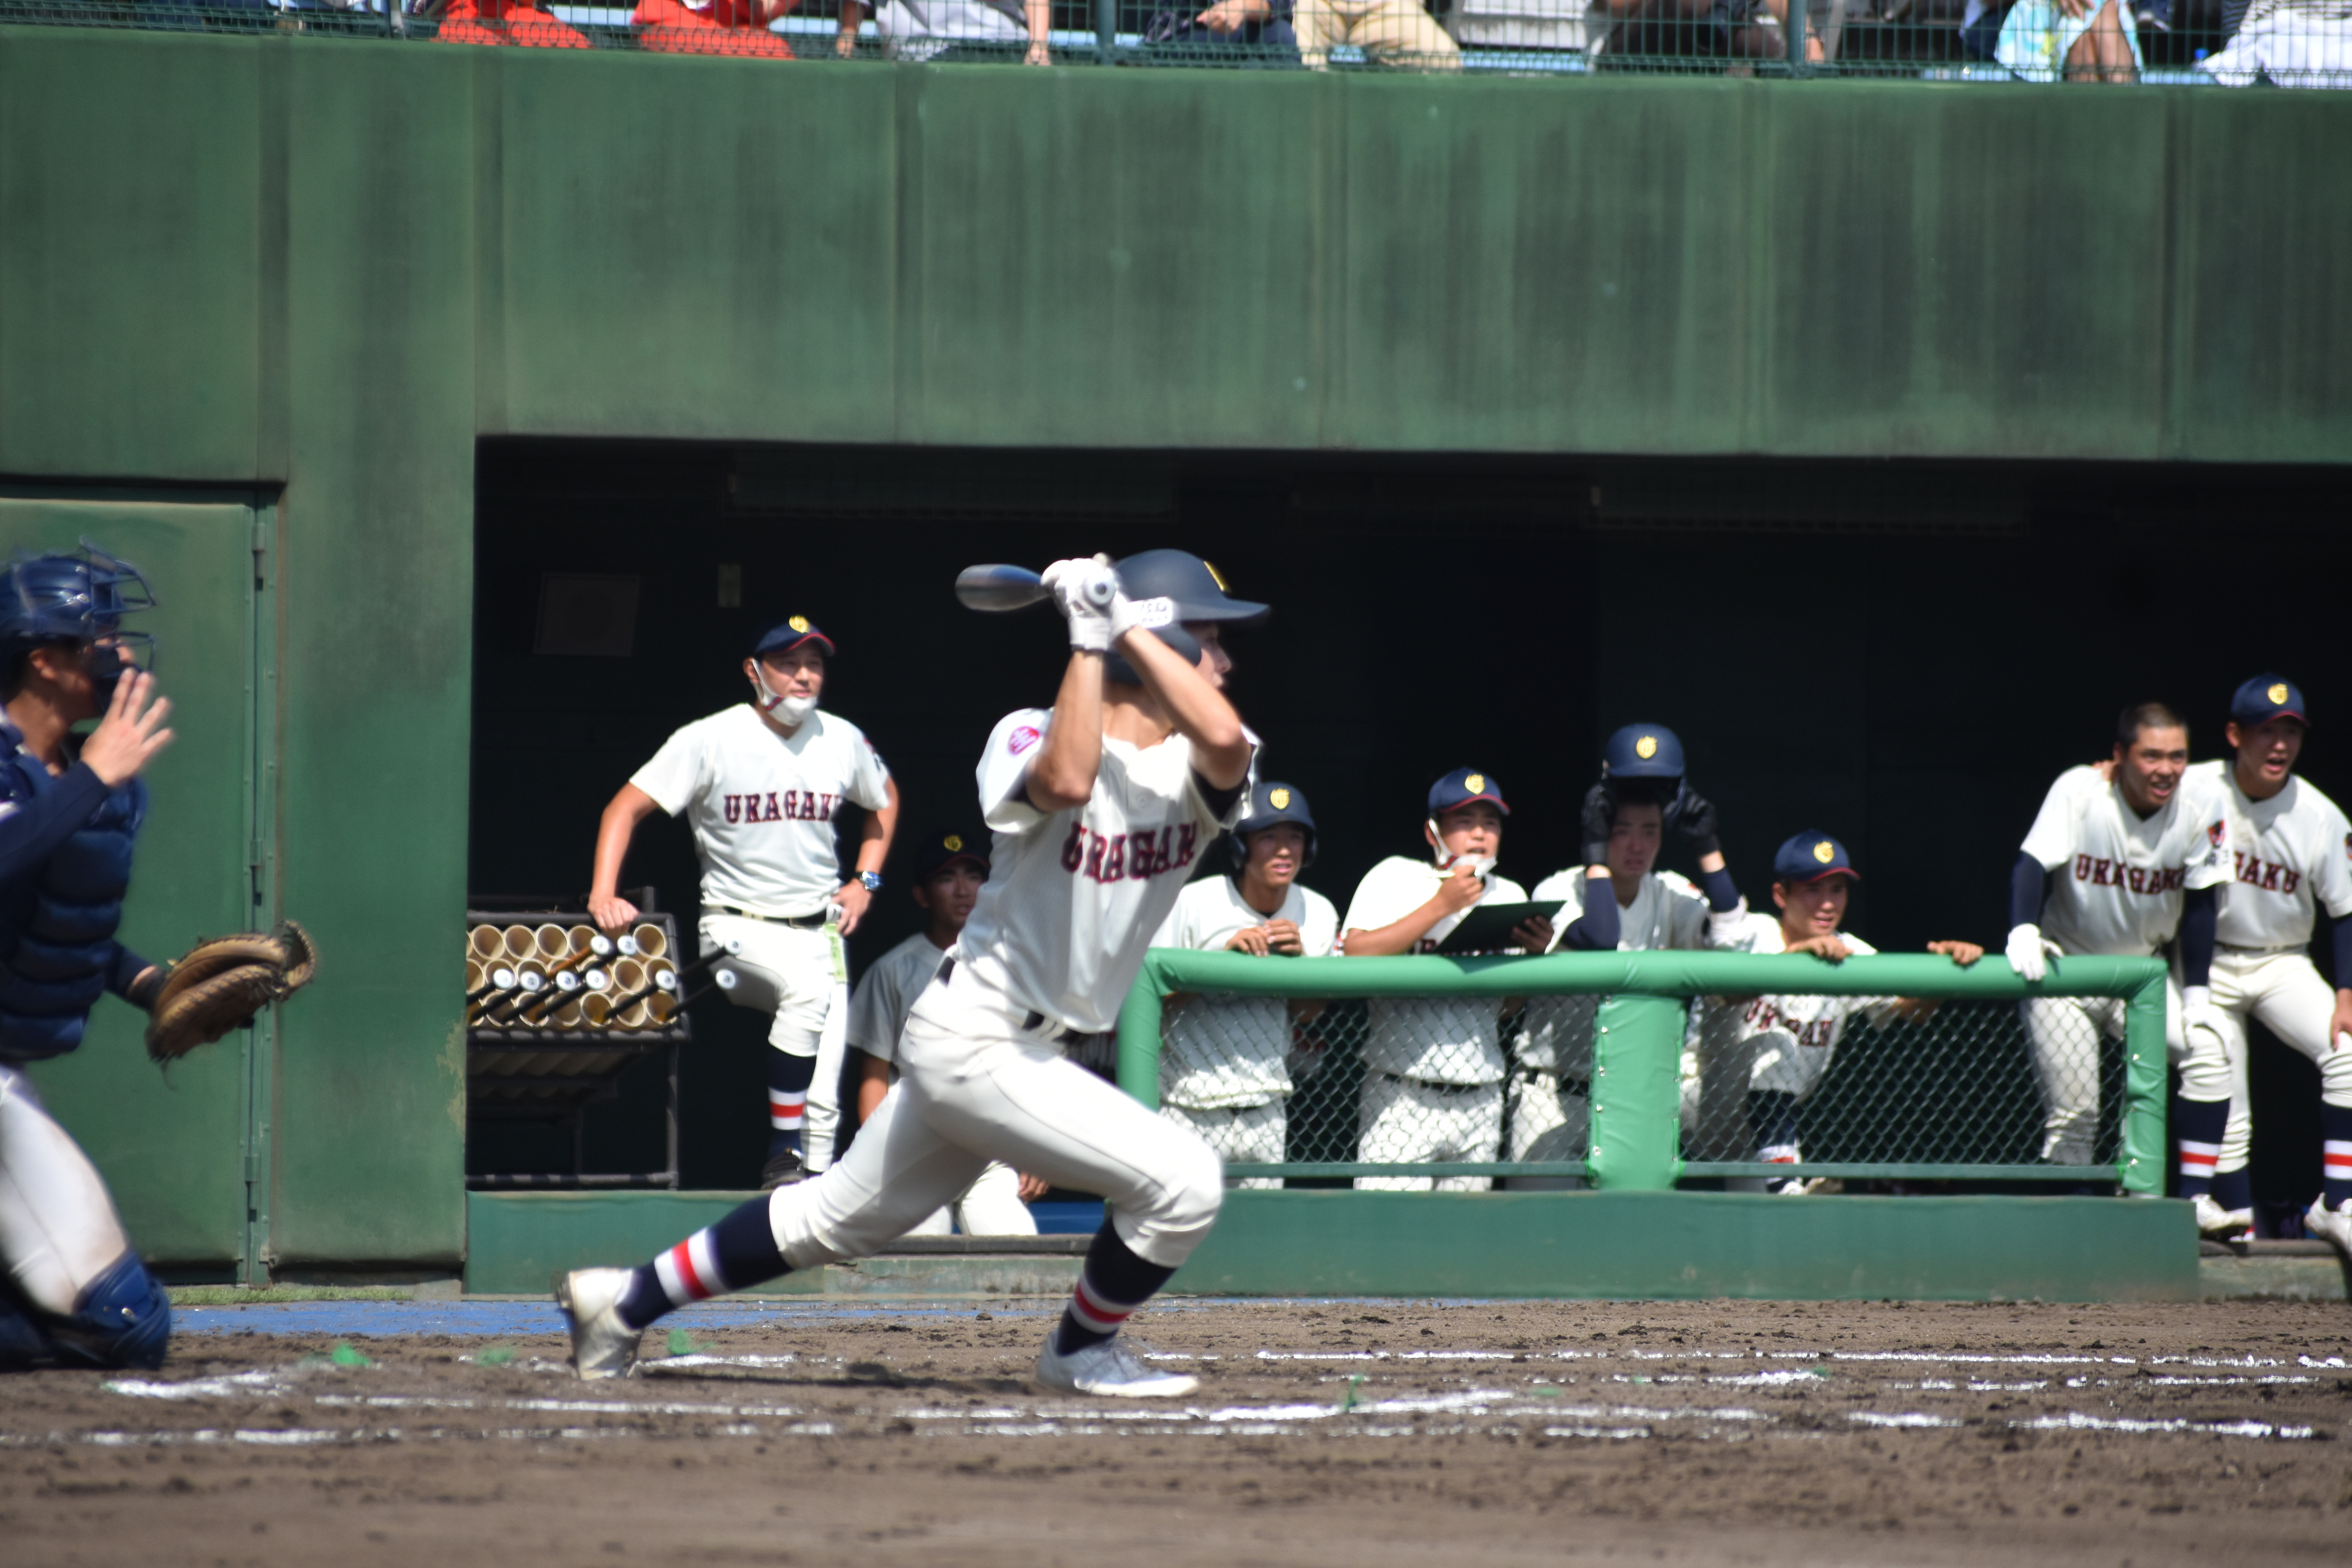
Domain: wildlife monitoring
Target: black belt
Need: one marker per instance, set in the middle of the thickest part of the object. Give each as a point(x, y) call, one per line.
point(1567, 1085)
point(798, 922)
point(1440, 1087)
point(1063, 1037)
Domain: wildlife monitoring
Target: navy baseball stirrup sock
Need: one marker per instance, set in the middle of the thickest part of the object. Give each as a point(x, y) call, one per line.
point(2199, 1125)
point(788, 1077)
point(1114, 1283)
point(2234, 1190)
point(737, 1253)
point(2335, 1151)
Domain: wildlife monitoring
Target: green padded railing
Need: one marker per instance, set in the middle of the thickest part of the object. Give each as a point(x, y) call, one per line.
point(1635, 1088)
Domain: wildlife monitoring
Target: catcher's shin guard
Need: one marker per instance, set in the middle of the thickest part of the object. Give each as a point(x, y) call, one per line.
point(124, 1320)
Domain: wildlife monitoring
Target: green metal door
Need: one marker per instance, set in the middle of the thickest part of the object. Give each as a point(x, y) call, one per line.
point(178, 1148)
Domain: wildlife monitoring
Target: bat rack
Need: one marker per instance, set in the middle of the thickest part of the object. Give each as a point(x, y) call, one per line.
point(539, 1069)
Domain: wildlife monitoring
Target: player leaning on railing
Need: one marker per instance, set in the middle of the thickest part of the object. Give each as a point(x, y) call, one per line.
point(1780, 1048)
point(1100, 807)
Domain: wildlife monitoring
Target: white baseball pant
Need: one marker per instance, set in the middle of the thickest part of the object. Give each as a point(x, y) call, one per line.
point(790, 973)
point(976, 1085)
point(2283, 990)
point(1407, 1119)
point(58, 1230)
point(1252, 1133)
point(990, 1207)
point(2063, 1034)
point(1547, 1123)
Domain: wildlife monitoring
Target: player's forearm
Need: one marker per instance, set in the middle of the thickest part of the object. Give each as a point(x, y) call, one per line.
point(881, 826)
point(1221, 748)
point(873, 1083)
point(1063, 773)
point(613, 831)
point(1598, 929)
point(2028, 882)
point(1397, 936)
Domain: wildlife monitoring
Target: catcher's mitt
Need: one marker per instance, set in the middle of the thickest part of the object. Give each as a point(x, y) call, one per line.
point(222, 983)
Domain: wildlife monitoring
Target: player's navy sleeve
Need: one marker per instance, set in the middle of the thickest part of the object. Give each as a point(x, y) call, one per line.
point(2343, 944)
point(1597, 929)
point(1221, 801)
point(32, 828)
point(2201, 918)
point(2028, 885)
point(1722, 893)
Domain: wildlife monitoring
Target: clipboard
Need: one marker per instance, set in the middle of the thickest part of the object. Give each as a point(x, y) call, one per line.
point(1487, 927)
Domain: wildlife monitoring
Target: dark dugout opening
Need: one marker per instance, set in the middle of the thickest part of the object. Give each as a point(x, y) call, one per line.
point(1901, 654)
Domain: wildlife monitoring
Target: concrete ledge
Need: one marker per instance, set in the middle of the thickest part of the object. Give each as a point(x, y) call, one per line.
point(1621, 1246)
point(2273, 1271)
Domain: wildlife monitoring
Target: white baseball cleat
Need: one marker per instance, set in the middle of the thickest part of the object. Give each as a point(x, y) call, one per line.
point(601, 1344)
point(2223, 1225)
point(2334, 1225)
point(1108, 1368)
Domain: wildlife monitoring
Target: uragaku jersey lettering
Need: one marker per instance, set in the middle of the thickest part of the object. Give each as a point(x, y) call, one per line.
point(2288, 856)
point(1070, 894)
point(1434, 1041)
point(762, 804)
point(2116, 878)
point(1794, 1038)
point(1222, 1053)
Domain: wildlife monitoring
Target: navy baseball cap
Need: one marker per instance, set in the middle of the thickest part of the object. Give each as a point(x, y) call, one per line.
point(1464, 786)
point(1642, 752)
point(789, 635)
point(936, 852)
point(2267, 697)
point(1809, 856)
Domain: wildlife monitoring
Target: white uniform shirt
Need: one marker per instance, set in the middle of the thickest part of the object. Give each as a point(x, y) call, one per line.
point(2287, 856)
point(878, 1008)
point(762, 804)
point(1453, 1040)
point(1793, 1036)
point(1072, 898)
point(1667, 912)
point(1222, 1052)
point(2116, 878)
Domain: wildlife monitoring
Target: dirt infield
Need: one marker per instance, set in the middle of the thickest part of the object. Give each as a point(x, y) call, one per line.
point(1329, 1432)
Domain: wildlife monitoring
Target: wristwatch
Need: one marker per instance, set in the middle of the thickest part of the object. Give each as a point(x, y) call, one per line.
point(872, 879)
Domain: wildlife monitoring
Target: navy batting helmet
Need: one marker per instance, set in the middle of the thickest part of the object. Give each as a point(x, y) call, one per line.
point(1270, 804)
point(73, 597)
point(1195, 585)
point(1642, 752)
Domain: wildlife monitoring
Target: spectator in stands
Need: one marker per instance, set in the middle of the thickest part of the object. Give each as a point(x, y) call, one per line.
point(1434, 1067)
point(1625, 820)
point(1757, 29)
point(506, 22)
point(1388, 32)
point(2071, 41)
point(1780, 1048)
point(948, 870)
point(1224, 1064)
point(1243, 33)
point(712, 27)
point(966, 29)
point(2288, 43)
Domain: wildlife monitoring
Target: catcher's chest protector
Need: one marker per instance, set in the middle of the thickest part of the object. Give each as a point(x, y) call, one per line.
point(57, 924)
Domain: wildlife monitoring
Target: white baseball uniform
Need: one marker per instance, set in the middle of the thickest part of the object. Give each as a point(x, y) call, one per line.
point(1551, 1106)
point(991, 1205)
point(2117, 883)
point(1057, 937)
point(1788, 1042)
point(2290, 856)
point(1432, 1067)
point(762, 806)
point(1224, 1061)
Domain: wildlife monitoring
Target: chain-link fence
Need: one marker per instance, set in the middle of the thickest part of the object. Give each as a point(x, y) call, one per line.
point(1633, 1069)
point(2290, 43)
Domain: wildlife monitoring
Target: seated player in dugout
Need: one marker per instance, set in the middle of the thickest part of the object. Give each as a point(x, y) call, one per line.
point(1641, 796)
point(760, 784)
point(2120, 866)
point(1773, 1052)
point(2287, 852)
point(947, 876)
point(1226, 1063)
point(1433, 1066)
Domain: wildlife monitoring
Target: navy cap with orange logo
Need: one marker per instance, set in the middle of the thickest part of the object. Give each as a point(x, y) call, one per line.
point(1809, 856)
point(936, 852)
point(2267, 697)
point(1464, 786)
point(789, 635)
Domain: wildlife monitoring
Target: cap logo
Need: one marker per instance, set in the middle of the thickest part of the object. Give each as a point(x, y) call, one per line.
point(1646, 747)
point(1825, 852)
point(1475, 784)
point(1279, 800)
point(798, 623)
point(1217, 577)
point(951, 843)
point(2277, 694)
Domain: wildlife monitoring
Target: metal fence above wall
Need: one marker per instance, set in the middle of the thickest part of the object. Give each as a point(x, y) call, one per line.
point(2287, 43)
point(1619, 1067)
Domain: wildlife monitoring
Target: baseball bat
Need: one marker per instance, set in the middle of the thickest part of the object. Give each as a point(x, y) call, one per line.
point(1014, 588)
point(564, 987)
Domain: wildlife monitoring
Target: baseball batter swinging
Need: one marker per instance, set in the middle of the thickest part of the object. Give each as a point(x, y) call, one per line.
point(1100, 807)
point(761, 783)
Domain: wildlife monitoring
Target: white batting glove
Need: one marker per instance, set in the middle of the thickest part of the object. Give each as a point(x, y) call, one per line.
point(1085, 589)
point(2024, 952)
point(1131, 615)
point(2200, 1021)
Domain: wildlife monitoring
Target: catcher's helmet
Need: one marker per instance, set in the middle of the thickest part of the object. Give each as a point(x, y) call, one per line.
point(72, 597)
point(1270, 804)
point(1642, 752)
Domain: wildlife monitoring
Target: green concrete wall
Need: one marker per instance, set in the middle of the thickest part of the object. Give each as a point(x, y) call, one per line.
point(324, 268)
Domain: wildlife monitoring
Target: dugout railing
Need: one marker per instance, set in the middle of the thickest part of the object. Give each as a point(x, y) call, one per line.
point(1960, 1096)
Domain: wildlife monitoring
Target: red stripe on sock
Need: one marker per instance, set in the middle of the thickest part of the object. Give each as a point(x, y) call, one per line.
point(682, 1256)
point(1096, 1313)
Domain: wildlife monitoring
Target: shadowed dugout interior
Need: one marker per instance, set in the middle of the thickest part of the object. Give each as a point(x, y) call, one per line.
point(1902, 655)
